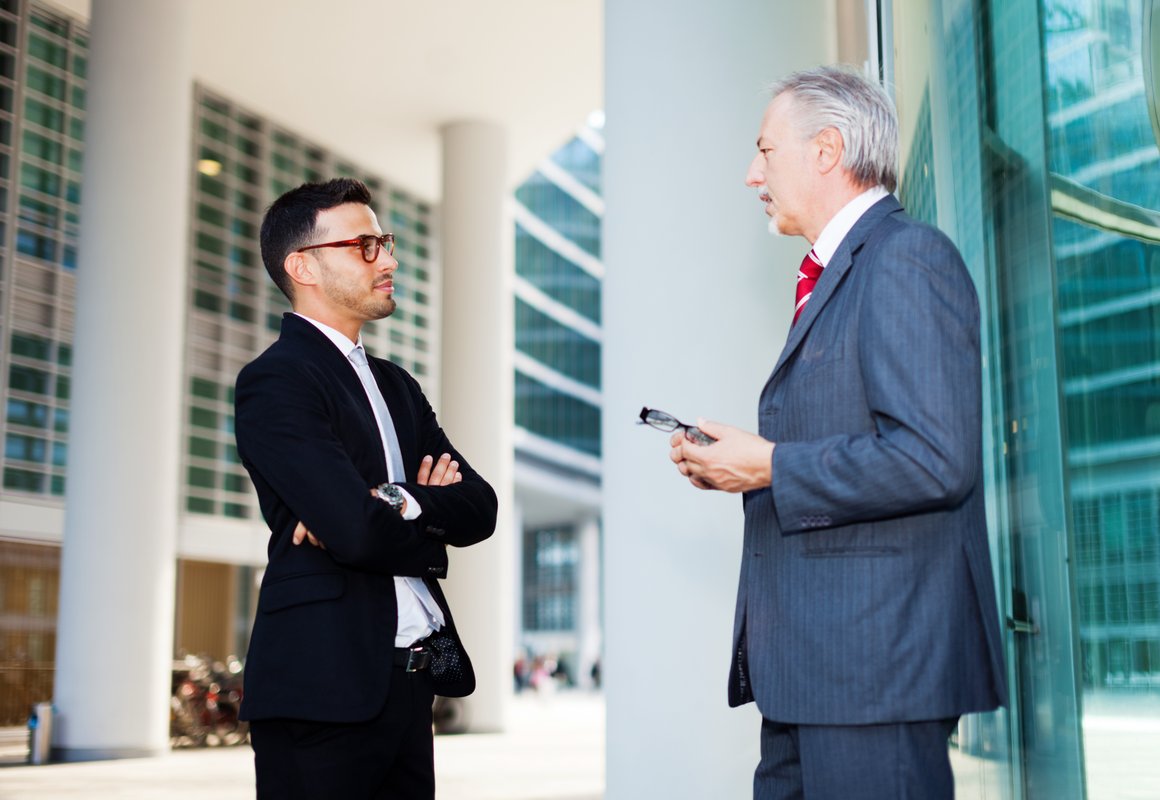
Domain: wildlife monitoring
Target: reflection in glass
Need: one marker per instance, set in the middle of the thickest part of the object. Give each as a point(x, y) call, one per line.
point(1101, 138)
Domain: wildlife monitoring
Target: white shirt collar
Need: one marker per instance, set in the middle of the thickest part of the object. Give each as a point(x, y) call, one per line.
point(340, 341)
point(837, 228)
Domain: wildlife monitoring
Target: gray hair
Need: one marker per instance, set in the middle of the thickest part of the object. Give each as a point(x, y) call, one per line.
point(860, 110)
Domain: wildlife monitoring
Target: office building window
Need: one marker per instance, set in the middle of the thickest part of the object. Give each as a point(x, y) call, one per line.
point(581, 161)
point(551, 342)
point(562, 212)
point(556, 276)
point(557, 415)
point(551, 557)
point(41, 155)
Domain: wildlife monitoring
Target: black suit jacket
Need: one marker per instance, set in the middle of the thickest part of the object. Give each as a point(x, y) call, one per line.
point(323, 640)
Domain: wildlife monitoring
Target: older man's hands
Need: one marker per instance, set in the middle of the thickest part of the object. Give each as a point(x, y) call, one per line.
point(737, 462)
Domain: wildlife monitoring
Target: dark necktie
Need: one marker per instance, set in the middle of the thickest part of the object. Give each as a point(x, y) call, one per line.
point(808, 274)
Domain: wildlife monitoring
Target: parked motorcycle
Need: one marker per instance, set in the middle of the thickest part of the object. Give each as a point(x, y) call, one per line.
point(203, 709)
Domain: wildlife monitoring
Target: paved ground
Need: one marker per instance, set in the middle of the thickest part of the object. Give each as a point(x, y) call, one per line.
point(1121, 736)
point(554, 750)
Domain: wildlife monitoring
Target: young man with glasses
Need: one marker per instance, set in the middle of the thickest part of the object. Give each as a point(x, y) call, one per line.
point(363, 492)
point(866, 617)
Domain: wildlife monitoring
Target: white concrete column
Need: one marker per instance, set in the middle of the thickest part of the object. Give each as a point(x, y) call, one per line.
point(588, 540)
point(697, 301)
point(517, 581)
point(477, 391)
point(115, 634)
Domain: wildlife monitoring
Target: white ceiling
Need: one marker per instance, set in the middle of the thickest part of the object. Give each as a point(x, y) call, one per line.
point(373, 80)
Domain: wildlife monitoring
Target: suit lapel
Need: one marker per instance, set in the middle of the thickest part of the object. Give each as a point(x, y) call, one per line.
point(832, 277)
point(320, 350)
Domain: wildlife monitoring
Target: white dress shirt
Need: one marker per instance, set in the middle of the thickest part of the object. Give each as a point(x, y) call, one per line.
point(419, 614)
point(837, 228)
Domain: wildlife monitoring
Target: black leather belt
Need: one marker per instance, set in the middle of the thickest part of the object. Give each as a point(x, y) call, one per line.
point(413, 658)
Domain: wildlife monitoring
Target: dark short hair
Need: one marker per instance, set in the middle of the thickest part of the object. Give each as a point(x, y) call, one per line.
point(290, 221)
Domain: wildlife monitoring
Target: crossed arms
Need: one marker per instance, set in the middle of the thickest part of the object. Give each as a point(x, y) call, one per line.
point(312, 467)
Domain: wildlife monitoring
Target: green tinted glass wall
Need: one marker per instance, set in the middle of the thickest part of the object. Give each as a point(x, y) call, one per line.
point(550, 342)
point(556, 276)
point(42, 109)
point(1106, 170)
point(1027, 134)
point(557, 307)
point(557, 415)
point(562, 211)
point(581, 161)
point(551, 562)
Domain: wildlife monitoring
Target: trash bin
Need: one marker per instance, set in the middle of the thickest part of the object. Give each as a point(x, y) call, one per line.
point(40, 733)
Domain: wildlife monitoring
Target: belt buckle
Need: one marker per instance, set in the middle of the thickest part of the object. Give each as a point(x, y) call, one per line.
point(418, 658)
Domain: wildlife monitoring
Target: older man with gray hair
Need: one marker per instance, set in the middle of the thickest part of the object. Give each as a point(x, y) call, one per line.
point(866, 619)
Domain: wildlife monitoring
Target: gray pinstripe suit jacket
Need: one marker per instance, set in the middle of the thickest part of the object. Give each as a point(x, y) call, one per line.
point(866, 593)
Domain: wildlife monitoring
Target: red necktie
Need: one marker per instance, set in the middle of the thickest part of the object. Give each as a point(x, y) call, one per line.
point(808, 274)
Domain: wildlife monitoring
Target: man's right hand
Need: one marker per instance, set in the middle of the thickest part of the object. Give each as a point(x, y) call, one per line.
point(300, 533)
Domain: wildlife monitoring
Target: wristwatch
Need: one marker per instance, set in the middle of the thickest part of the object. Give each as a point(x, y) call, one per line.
point(392, 495)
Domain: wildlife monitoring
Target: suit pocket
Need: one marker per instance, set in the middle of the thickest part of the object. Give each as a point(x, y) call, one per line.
point(853, 541)
point(297, 590)
point(816, 353)
point(851, 551)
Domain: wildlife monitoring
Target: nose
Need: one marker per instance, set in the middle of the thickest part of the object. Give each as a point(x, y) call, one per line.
point(386, 262)
point(755, 176)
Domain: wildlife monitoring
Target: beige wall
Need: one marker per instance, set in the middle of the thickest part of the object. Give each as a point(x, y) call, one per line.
point(206, 597)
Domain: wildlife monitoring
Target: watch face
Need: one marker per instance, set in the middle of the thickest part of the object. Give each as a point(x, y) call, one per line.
point(391, 495)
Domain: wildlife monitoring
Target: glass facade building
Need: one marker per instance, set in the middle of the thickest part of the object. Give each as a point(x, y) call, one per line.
point(558, 274)
point(1030, 137)
point(43, 66)
point(42, 101)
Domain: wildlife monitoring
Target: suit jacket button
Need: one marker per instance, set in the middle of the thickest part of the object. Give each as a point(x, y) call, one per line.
point(431, 529)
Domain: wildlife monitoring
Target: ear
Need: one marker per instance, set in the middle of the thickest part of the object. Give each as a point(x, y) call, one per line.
point(831, 148)
point(302, 269)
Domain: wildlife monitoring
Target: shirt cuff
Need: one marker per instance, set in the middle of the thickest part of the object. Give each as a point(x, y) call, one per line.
point(413, 507)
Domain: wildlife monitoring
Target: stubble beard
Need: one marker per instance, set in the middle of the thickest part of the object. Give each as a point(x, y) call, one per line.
point(351, 297)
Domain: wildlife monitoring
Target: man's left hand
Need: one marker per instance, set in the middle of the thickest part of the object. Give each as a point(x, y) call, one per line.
point(438, 473)
point(737, 462)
